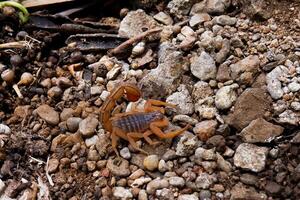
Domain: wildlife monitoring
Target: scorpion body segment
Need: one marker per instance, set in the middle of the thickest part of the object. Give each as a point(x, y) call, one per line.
point(136, 122)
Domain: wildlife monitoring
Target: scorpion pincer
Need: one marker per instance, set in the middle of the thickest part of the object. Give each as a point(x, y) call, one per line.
point(136, 124)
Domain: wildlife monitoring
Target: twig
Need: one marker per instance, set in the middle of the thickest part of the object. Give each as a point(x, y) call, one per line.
point(18, 45)
point(16, 88)
point(37, 160)
point(47, 173)
point(125, 46)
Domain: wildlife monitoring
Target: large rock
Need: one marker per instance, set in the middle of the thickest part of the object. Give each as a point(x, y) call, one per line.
point(180, 7)
point(251, 157)
point(252, 104)
point(48, 114)
point(261, 131)
point(203, 66)
point(118, 169)
point(135, 23)
point(87, 127)
point(166, 77)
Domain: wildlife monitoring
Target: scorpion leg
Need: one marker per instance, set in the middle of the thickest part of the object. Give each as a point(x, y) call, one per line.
point(131, 140)
point(148, 139)
point(154, 126)
point(153, 105)
point(114, 139)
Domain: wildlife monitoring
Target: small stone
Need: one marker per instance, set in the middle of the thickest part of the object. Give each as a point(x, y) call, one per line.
point(249, 179)
point(156, 184)
point(204, 154)
point(53, 165)
point(188, 197)
point(66, 114)
point(2, 186)
point(205, 195)
point(294, 86)
point(261, 131)
point(73, 123)
point(223, 73)
point(248, 64)
point(48, 114)
point(240, 191)
point(92, 141)
point(163, 18)
point(135, 22)
point(125, 153)
point(93, 155)
point(250, 156)
point(204, 180)
point(295, 106)
point(226, 96)
point(179, 7)
point(169, 155)
point(54, 92)
point(199, 19)
point(91, 165)
point(296, 138)
point(273, 187)
point(201, 91)
point(113, 73)
point(118, 169)
point(151, 162)
point(187, 144)
point(185, 118)
point(182, 100)
point(4, 129)
point(176, 181)
point(223, 164)
point(203, 67)
point(104, 95)
point(215, 7)
point(224, 20)
point(289, 117)
point(273, 83)
point(96, 90)
point(122, 193)
point(87, 127)
point(205, 129)
point(162, 166)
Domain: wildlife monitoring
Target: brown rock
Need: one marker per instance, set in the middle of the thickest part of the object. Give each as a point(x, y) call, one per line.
point(118, 167)
point(48, 114)
point(259, 130)
point(205, 129)
point(252, 104)
point(53, 165)
point(223, 73)
point(240, 191)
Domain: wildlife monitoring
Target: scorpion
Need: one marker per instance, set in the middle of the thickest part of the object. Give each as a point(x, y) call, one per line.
point(136, 124)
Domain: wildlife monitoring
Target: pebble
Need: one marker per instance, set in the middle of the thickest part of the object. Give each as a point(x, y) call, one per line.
point(251, 157)
point(223, 164)
point(295, 106)
point(113, 73)
point(289, 117)
point(121, 170)
point(96, 90)
point(203, 67)
point(188, 197)
point(273, 188)
point(176, 181)
point(156, 184)
point(185, 118)
point(87, 127)
point(142, 195)
point(187, 144)
point(179, 7)
point(204, 154)
point(260, 131)
point(53, 165)
point(205, 180)
point(66, 114)
point(104, 95)
point(151, 162)
point(201, 91)
point(199, 19)
point(91, 165)
point(73, 123)
point(91, 141)
point(4, 129)
point(138, 49)
point(162, 166)
point(273, 83)
point(125, 153)
point(163, 18)
point(205, 195)
point(248, 64)
point(140, 181)
point(205, 129)
point(226, 96)
point(135, 23)
point(122, 193)
point(294, 86)
point(48, 114)
point(137, 174)
point(249, 179)
point(170, 154)
point(224, 20)
point(240, 191)
point(182, 100)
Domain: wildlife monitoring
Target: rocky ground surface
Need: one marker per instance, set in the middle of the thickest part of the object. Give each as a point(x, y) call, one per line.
point(232, 69)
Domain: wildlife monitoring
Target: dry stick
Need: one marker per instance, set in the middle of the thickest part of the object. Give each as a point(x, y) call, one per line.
point(9, 45)
point(128, 43)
